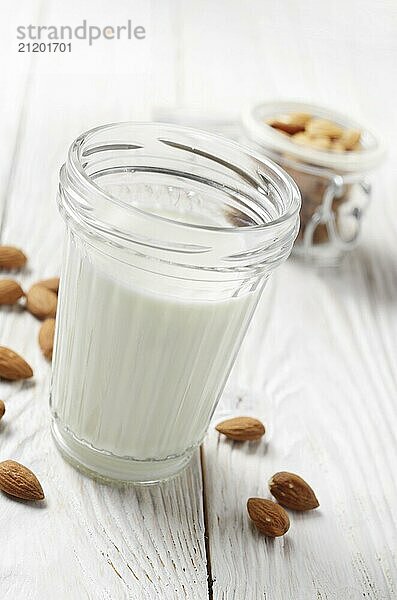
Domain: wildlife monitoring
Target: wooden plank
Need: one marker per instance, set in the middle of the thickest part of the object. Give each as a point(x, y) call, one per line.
point(95, 541)
point(15, 69)
point(159, 533)
point(88, 540)
point(324, 382)
point(318, 364)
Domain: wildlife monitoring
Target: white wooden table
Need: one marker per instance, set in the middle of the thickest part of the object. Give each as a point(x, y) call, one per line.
point(318, 364)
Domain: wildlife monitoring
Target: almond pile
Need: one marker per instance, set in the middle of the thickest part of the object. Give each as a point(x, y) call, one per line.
point(41, 301)
point(289, 489)
point(306, 130)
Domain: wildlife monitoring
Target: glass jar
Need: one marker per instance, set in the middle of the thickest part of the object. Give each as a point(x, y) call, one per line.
point(171, 236)
point(334, 187)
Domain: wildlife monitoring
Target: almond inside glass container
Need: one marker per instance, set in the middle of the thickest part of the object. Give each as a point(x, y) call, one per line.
point(329, 156)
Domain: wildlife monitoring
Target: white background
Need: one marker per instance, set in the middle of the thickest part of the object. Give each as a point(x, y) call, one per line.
point(318, 365)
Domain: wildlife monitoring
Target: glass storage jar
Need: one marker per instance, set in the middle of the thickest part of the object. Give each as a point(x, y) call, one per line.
point(171, 236)
point(333, 185)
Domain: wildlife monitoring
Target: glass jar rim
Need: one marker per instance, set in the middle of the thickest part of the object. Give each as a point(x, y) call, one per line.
point(282, 182)
point(253, 120)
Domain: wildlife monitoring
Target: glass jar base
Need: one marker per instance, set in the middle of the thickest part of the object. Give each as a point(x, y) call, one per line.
point(113, 469)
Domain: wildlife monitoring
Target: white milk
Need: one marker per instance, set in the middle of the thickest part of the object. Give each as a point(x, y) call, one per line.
point(137, 374)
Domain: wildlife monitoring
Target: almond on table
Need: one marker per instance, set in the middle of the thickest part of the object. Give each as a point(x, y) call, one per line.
point(270, 518)
point(19, 481)
point(241, 429)
point(10, 291)
point(13, 366)
point(51, 284)
point(12, 258)
point(41, 302)
point(292, 491)
point(46, 337)
point(2, 409)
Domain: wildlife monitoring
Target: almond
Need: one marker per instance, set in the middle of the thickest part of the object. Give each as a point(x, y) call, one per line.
point(241, 429)
point(11, 258)
point(46, 337)
point(17, 480)
point(270, 518)
point(320, 143)
point(286, 126)
point(13, 366)
point(2, 409)
point(10, 291)
point(41, 302)
point(299, 118)
point(292, 491)
point(323, 128)
point(303, 139)
point(350, 138)
point(51, 284)
point(337, 146)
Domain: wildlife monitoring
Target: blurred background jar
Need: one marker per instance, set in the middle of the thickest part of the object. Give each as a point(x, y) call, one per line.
point(329, 156)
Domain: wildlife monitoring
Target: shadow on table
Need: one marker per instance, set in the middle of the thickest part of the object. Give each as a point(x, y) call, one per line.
point(367, 271)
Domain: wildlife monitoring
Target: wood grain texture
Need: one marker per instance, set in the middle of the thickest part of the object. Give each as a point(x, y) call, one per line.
point(15, 85)
point(318, 364)
point(329, 419)
point(87, 540)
